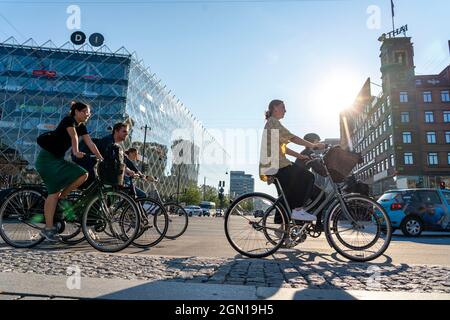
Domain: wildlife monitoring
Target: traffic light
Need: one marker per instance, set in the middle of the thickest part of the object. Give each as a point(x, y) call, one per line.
point(442, 185)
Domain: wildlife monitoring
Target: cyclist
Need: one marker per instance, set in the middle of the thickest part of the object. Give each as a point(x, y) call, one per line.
point(118, 135)
point(296, 182)
point(133, 155)
point(61, 176)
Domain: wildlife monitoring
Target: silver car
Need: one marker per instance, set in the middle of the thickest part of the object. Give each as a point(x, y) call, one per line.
point(193, 211)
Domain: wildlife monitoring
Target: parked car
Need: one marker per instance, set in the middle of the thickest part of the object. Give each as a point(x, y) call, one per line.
point(258, 213)
point(193, 211)
point(417, 210)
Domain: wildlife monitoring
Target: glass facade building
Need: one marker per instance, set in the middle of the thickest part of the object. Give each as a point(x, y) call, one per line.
point(38, 82)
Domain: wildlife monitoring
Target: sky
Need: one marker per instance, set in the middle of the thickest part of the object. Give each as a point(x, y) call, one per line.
point(226, 60)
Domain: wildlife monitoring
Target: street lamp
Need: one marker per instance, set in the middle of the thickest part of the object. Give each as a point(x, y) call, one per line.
point(143, 147)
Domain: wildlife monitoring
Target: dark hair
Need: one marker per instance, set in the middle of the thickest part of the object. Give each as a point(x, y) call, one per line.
point(130, 150)
point(119, 126)
point(77, 105)
point(311, 137)
point(272, 105)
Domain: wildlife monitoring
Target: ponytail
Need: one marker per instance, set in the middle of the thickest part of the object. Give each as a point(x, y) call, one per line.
point(76, 105)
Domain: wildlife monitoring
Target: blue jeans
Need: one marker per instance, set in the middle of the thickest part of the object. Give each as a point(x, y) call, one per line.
point(139, 193)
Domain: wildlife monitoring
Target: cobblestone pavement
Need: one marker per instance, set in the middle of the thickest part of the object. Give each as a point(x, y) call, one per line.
point(256, 272)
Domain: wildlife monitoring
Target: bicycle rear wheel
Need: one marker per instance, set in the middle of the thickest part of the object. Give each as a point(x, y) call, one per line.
point(178, 220)
point(111, 221)
point(154, 223)
point(22, 218)
point(72, 233)
point(365, 238)
point(253, 234)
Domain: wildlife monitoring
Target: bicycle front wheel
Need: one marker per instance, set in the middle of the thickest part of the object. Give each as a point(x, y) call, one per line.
point(22, 218)
point(255, 225)
point(111, 221)
point(365, 236)
point(178, 220)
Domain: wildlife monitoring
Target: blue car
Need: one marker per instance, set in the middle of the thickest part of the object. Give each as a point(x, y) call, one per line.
point(417, 210)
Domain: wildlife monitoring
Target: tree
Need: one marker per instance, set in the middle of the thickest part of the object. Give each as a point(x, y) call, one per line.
point(193, 195)
point(211, 194)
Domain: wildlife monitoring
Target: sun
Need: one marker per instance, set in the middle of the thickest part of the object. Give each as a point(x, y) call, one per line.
point(336, 91)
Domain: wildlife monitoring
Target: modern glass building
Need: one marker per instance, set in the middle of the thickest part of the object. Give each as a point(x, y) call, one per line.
point(38, 82)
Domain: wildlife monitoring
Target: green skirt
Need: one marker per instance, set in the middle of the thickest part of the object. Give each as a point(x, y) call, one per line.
point(57, 173)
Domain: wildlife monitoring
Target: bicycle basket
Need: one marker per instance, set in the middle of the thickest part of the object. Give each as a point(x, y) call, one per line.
point(340, 163)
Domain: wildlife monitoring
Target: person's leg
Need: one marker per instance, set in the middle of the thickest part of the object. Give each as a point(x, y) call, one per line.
point(74, 185)
point(50, 208)
point(140, 193)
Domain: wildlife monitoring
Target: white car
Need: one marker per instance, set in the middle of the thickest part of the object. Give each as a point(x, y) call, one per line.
point(193, 211)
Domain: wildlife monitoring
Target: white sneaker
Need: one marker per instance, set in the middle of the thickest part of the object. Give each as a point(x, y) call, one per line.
point(302, 215)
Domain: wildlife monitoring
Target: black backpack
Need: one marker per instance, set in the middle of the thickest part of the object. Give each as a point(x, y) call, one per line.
point(111, 170)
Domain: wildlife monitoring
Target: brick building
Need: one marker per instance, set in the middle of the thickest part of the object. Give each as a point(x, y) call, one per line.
point(403, 133)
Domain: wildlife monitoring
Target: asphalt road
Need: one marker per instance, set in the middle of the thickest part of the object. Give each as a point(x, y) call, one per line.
point(205, 237)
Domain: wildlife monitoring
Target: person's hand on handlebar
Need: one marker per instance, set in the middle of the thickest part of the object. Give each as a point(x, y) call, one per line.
point(319, 146)
point(79, 154)
point(303, 157)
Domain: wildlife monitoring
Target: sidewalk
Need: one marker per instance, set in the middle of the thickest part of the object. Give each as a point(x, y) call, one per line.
point(133, 276)
point(34, 286)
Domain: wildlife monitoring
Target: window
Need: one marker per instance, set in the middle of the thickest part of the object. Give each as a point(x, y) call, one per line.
point(448, 158)
point(392, 161)
point(432, 158)
point(429, 197)
point(429, 116)
point(384, 126)
point(400, 57)
point(446, 195)
point(408, 156)
point(431, 137)
point(405, 117)
point(447, 136)
point(385, 142)
point(388, 101)
point(407, 137)
point(391, 140)
point(427, 96)
point(403, 97)
point(445, 96)
point(446, 116)
point(389, 120)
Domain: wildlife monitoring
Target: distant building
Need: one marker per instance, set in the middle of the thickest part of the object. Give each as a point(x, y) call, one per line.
point(241, 183)
point(403, 134)
point(37, 84)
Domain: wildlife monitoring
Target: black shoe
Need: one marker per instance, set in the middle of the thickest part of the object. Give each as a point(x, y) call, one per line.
point(51, 234)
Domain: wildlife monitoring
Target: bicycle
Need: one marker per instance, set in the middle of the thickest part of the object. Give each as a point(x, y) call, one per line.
point(153, 216)
point(108, 218)
point(178, 217)
point(356, 226)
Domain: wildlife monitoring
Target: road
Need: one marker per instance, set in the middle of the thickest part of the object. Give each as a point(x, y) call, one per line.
point(205, 237)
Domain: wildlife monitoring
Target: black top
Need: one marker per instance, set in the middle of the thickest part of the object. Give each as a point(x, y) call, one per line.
point(102, 144)
point(58, 141)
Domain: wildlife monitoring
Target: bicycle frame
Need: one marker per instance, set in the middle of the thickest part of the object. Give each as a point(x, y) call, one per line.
point(331, 198)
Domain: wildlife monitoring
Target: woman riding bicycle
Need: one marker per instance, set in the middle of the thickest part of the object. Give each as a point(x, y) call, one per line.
point(297, 182)
point(60, 176)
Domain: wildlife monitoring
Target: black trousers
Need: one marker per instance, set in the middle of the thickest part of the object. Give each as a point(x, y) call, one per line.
point(297, 184)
